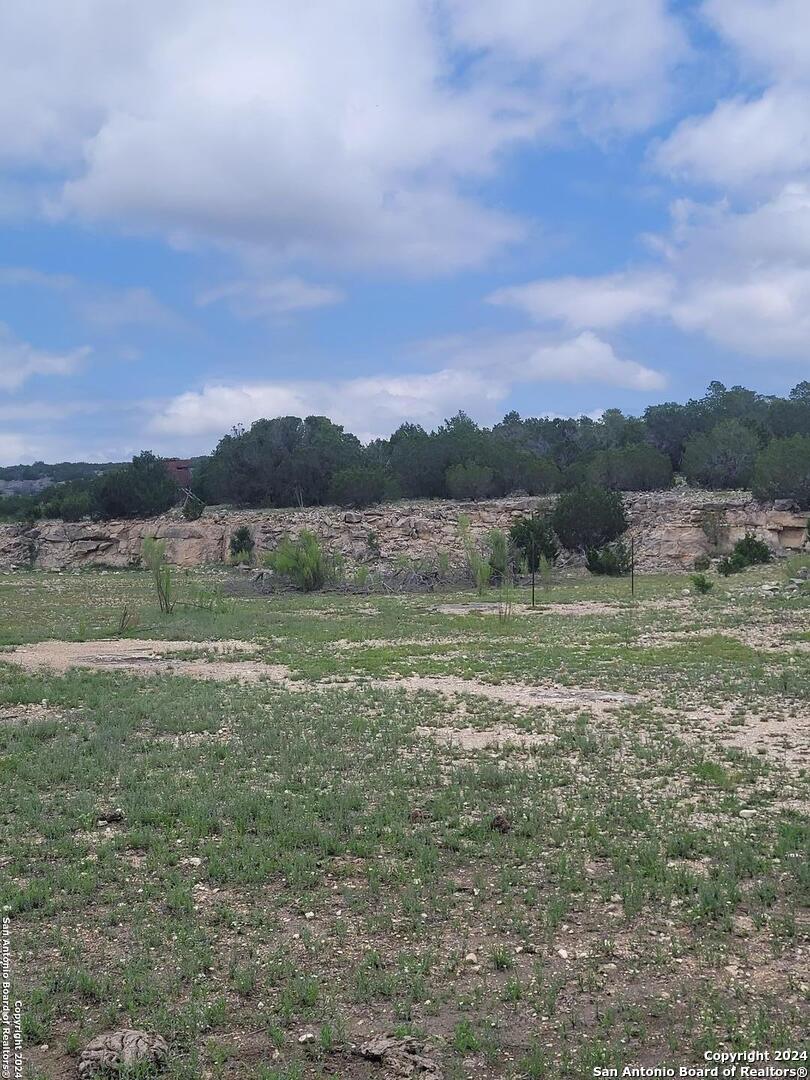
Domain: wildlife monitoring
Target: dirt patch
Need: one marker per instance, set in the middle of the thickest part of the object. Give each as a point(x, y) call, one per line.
point(780, 736)
point(496, 738)
point(576, 607)
point(146, 658)
point(765, 638)
point(28, 713)
point(566, 698)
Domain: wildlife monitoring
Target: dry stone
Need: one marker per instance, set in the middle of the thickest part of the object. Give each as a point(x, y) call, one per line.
point(668, 527)
point(117, 1050)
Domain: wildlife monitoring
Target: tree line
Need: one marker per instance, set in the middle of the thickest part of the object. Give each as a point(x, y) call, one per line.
point(729, 438)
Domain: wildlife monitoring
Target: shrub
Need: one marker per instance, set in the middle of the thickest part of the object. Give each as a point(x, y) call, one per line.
point(723, 457)
point(300, 559)
point(534, 538)
point(701, 584)
point(241, 544)
point(782, 470)
point(731, 564)
point(193, 509)
point(153, 555)
point(469, 481)
point(702, 563)
point(359, 485)
point(631, 468)
point(588, 518)
point(75, 505)
point(500, 562)
point(612, 560)
point(749, 551)
point(140, 489)
point(478, 567)
point(752, 550)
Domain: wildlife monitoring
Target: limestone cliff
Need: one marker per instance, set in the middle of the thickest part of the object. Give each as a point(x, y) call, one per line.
point(671, 528)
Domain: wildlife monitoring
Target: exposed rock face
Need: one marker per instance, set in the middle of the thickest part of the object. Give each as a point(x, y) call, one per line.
point(115, 1051)
point(670, 528)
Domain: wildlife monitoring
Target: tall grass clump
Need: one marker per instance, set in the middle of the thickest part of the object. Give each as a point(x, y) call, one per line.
point(479, 567)
point(300, 559)
point(153, 556)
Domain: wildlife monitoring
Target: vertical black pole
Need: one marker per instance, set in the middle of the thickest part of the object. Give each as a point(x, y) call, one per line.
point(632, 566)
point(534, 556)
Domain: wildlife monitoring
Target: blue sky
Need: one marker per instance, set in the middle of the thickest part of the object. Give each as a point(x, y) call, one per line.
point(387, 210)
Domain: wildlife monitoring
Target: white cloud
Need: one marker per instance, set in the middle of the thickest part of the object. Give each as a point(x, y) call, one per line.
point(772, 36)
point(19, 361)
point(740, 278)
point(587, 359)
point(758, 141)
point(582, 302)
point(315, 131)
point(102, 308)
point(282, 296)
point(478, 376)
point(369, 406)
point(742, 143)
point(745, 277)
point(606, 62)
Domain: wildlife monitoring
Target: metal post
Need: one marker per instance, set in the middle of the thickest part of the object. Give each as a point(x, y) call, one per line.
point(632, 566)
point(534, 554)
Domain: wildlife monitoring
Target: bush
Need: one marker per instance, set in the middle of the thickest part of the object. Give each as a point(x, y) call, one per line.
point(702, 562)
point(479, 568)
point(588, 518)
point(752, 550)
point(782, 470)
point(193, 509)
point(499, 557)
point(359, 485)
point(534, 538)
point(612, 560)
point(75, 505)
point(701, 584)
point(241, 544)
point(301, 560)
point(731, 564)
point(469, 481)
point(631, 468)
point(723, 457)
point(141, 489)
point(153, 556)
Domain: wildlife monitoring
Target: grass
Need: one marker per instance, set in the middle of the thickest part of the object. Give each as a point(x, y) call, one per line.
point(299, 868)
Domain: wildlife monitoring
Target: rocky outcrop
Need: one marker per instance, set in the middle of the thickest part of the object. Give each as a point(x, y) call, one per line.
point(670, 529)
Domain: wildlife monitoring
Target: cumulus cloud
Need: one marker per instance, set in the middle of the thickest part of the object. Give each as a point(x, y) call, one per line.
point(283, 296)
point(743, 143)
point(604, 61)
point(369, 406)
point(313, 131)
point(581, 302)
point(588, 359)
point(20, 361)
point(758, 141)
point(478, 376)
point(740, 278)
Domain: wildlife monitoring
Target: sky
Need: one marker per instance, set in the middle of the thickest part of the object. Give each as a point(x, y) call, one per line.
point(390, 210)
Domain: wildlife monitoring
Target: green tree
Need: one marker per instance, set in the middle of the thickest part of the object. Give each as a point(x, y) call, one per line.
point(469, 481)
point(588, 517)
point(631, 468)
point(141, 489)
point(782, 470)
point(723, 457)
point(359, 485)
point(534, 538)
